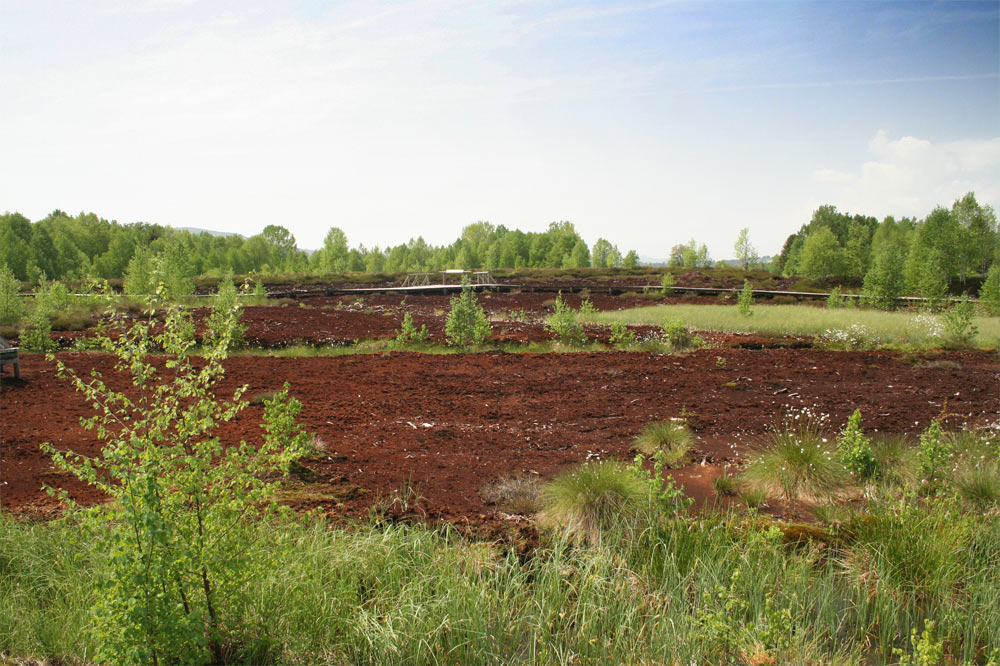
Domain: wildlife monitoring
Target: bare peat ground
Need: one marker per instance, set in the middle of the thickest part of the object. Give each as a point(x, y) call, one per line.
point(403, 425)
point(320, 320)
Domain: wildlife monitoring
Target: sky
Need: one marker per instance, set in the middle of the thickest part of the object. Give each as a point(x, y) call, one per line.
point(647, 123)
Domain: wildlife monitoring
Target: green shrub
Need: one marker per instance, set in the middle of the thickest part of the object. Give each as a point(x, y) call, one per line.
point(621, 334)
point(173, 588)
point(745, 301)
point(565, 324)
point(989, 293)
point(259, 291)
point(679, 336)
point(926, 651)
point(959, 331)
point(37, 335)
point(667, 285)
point(409, 334)
point(835, 300)
point(855, 450)
point(593, 498)
point(664, 498)
point(935, 454)
point(466, 324)
point(53, 297)
point(12, 308)
point(226, 306)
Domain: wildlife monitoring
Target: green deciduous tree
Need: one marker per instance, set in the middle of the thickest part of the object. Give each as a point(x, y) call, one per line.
point(883, 282)
point(179, 560)
point(579, 255)
point(935, 246)
point(224, 319)
point(932, 281)
point(746, 254)
point(175, 272)
point(139, 275)
point(989, 294)
point(977, 235)
point(12, 307)
point(745, 300)
point(333, 256)
point(857, 252)
point(822, 256)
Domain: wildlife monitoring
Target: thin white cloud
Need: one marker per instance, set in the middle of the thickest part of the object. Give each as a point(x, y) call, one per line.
point(585, 13)
point(840, 83)
point(911, 175)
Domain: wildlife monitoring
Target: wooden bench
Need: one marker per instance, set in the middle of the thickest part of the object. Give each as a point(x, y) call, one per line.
point(8, 356)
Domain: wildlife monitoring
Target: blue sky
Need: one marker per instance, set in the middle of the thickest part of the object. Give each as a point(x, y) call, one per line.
point(647, 123)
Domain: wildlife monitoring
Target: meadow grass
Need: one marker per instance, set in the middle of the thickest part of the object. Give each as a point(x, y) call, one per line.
point(716, 588)
point(902, 328)
point(644, 585)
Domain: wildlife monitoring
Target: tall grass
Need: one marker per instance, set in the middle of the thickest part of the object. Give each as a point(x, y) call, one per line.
point(718, 588)
point(903, 328)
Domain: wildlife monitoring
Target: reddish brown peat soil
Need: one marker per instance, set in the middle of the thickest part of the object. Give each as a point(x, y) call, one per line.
point(518, 318)
point(445, 425)
point(323, 321)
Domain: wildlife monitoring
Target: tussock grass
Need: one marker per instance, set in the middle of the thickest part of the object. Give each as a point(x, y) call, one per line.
point(979, 484)
point(895, 460)
point(513, 494)
point(902, 328)
point(673, 438)
point(725, 485)
point(796, 462)
point(592, 498)
point(754, 497)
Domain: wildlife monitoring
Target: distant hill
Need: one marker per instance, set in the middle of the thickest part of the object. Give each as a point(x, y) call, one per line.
point(196, 230)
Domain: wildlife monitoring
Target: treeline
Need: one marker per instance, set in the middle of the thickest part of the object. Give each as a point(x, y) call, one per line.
point(63, 247)
point(894, 257)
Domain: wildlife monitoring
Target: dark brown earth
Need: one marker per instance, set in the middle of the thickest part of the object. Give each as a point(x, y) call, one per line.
point(439, 427)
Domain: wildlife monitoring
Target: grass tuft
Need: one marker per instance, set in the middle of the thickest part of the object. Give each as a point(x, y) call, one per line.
point(725, 485)
point(797, 463)
point(516, 495)
point(593, 498)
point(671, 437)
point(979, 485)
